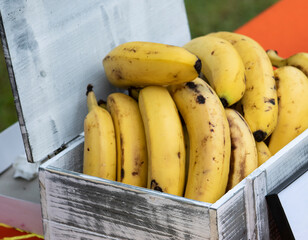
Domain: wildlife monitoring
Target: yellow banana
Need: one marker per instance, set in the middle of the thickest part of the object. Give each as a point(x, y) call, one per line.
point(263, 153)
point(222, 66)
point(244, 157)
point(292, 88)
point(147, 63)
point(209, 139)
point(130, 138)
point(165, 140)
point(99, 144)
point(260, 99)
point(298, 60)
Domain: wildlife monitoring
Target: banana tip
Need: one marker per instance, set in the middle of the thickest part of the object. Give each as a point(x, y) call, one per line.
point(89, 89)
point(198, 66)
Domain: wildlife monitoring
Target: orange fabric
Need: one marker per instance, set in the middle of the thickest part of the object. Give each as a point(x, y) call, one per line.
point(10, 233)
point(282, 27)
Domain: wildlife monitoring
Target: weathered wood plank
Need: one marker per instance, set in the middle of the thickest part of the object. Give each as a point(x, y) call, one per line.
point(53, 54)
point(230, 214)
point(270, 175)
point(120, 211)
point(59, 231)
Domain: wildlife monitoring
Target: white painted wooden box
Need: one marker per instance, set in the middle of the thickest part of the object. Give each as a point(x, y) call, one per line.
point(53, 50)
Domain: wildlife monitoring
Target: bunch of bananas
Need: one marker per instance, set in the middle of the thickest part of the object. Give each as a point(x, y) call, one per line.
point(197, 119)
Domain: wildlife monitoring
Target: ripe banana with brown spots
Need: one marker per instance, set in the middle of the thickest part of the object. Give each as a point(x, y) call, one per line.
point(140, 64)
point(209, 139)
point(263, 153)
point(292, 88)
point(130, 138)
point(165, 140)
point(260, 99)
point(298, 60)
point(244, 157)
point(221, 65)
point(99, 141)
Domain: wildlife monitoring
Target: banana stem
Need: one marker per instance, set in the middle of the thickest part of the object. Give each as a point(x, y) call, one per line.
point(91, 99)
point(276, 60)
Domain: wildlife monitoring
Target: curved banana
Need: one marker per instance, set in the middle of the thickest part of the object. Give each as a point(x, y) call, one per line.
point(165, 140)
point(130, 138)
point(260, 99)
point(222, 66)
point(298, 60)
point(244, 157)
point(99, 141)
point(292, 88)
point(142, 64)
point(263, 153)
point(209, 139)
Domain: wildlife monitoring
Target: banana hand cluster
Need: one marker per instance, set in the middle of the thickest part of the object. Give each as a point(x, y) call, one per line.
point(195, 136)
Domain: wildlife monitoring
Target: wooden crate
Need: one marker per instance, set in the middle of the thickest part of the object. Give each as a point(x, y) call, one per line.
point(53, 50)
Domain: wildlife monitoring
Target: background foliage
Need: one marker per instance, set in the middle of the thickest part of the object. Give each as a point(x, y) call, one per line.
point(204, 16)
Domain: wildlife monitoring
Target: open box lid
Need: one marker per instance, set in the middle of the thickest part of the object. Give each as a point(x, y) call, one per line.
point(54, 49)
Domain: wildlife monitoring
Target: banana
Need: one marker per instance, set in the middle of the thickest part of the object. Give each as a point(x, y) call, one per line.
point(165, 140)
point(142, 64)
point(244, 157)
point(130, 139)
point(99, 144)
point(292, 88)
point(263, 153)
point(260, 98)
point(221, 65)
point(298, 60)
point(209, 139)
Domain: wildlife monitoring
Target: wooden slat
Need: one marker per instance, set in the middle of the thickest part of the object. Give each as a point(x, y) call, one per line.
point(270, 175)
point(118, 210)
point(230, 215)
point(54, 49)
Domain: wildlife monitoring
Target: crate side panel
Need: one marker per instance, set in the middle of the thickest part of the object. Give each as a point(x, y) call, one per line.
point(60, 231)
point(231, 216)
point(53, 54)
point(287, 161)
point(120, 212)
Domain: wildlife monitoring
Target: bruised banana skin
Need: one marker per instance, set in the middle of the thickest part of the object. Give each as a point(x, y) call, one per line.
point(221, 65)
point(298, 60)
point(292, 88)
point(130, 139)
point(209, 139)
point(99, 143)
point(165, 140)
point(260, 99)
point(142, 64)
point(244, 157)
point(263, 153)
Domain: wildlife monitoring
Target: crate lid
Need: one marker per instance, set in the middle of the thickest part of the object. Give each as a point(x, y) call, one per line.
point(54, 49)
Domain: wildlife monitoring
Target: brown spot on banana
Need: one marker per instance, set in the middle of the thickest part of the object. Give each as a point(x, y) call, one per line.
point(200, 99)
point(269, 100)
point(130, 49)
point(155, 186)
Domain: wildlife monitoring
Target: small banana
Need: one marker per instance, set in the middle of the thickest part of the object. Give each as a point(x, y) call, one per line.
point(130, 139)
point(292, 88)
point(260, 99)
point(165, 140)
point(142, 64)
point(298, 60)
point(209, 139)
point(99, 141)
point(222, 66)
point(263, 153)
point(244, 157)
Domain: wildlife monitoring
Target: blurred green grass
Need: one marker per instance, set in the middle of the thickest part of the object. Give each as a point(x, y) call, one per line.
point(204, 16)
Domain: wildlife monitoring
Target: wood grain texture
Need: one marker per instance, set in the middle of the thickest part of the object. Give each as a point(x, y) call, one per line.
point(54, 49)
point(270, 175)
point(120, 211)
point(230, 214)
